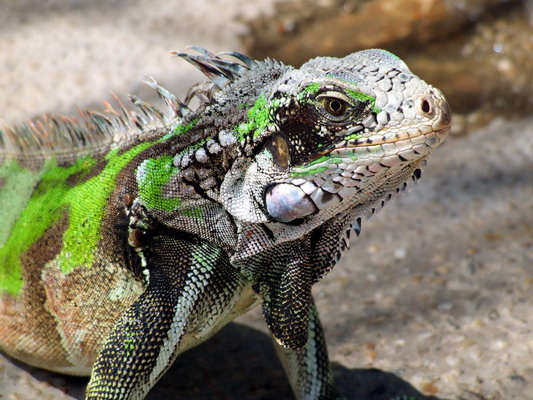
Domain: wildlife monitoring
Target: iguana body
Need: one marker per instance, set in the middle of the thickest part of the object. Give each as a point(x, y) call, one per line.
point(126, 239)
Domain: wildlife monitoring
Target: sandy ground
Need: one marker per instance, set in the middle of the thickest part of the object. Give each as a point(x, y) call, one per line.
point(432, 300)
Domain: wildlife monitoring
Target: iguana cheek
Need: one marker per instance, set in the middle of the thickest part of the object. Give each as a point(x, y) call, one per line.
point(286, 202)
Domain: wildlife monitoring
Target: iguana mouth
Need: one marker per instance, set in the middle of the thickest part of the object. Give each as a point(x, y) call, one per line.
point(378, 140)
point(381, 139)
point(431, 139)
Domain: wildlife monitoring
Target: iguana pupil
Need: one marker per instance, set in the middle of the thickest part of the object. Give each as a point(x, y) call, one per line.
point(334, 106)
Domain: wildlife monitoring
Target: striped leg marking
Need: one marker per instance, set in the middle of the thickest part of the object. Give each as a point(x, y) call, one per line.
point(190, 285)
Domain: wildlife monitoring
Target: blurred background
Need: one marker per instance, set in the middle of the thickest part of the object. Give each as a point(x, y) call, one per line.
point(434, 299)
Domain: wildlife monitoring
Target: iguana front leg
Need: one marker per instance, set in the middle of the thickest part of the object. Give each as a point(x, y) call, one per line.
point(291, 315)
point(191, 287)
point(308, 368)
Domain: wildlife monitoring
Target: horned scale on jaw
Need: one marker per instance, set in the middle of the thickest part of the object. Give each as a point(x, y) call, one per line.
point(200, 214)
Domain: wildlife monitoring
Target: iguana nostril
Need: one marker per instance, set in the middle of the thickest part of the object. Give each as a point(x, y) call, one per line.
point(425, 107)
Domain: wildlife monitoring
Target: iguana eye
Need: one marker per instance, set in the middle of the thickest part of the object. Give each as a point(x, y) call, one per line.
point(334, 108)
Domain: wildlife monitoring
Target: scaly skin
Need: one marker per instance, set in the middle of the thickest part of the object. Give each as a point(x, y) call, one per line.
point(126, 240)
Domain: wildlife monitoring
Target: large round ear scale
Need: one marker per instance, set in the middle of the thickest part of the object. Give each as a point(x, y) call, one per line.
point(285, 202)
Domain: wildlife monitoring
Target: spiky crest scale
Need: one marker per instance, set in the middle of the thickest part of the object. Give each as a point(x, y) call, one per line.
point(54, 135)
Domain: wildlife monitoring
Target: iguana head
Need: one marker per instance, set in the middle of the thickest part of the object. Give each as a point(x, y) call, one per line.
point(331, 135)
point(323, 145)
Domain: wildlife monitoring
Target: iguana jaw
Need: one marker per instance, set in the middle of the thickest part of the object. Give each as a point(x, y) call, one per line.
point(342, 173)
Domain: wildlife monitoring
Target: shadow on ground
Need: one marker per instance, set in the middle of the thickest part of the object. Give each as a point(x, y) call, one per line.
point(240, 363)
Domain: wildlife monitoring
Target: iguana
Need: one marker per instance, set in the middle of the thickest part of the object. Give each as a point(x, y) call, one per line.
point(129, 237)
